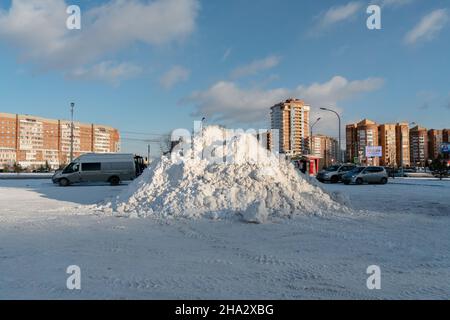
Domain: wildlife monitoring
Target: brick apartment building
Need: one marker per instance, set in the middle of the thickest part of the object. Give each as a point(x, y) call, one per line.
point(291, 119)
point(34, 141)
point(387, 134)
point(435, 140)
point(325, 148)
point(418, 137)
point(359, 136)
point(403, 144)
point(393, 138)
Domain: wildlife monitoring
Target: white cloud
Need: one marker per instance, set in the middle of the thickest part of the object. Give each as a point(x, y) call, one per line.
point(429, 27)
point(256, 66)
point(107, 71)
point(37, 28)
point(175, 75)
point(226, 54)
point(337, 14)
point(394, 3)
point(226, 101)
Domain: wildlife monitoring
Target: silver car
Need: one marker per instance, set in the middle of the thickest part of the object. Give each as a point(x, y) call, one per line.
point(362, 175)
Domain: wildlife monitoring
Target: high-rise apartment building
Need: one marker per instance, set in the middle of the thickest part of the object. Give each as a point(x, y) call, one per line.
point(291, 119)
point(435, 140)
point(351, 150)
point(418, 138)
point(325, 148)
point(34, 141)
point(403, 144)
point(388, 143)
point(445, 136)
point(362, 134)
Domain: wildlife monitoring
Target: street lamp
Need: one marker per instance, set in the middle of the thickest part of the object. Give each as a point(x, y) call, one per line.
point(339, 118)
point(203, 143)
point(72, 106)
point(311, 133)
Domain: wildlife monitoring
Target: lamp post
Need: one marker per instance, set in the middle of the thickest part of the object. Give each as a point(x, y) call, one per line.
point(203, 143)
point(339, 142)
point(72, 106)
point(311, 133)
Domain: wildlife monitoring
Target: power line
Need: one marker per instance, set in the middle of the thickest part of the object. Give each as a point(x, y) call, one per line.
point(145, 133)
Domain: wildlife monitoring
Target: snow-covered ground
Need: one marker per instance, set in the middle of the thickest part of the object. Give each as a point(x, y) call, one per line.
point(404, 228)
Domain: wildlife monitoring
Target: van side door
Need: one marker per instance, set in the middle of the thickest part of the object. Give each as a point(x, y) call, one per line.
point(91, 172)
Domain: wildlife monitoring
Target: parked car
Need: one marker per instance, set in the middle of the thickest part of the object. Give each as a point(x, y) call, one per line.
point(334, 173)
point(362, 175)
point(112, 168)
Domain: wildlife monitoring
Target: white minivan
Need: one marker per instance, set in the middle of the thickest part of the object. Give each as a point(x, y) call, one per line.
point(95, 167)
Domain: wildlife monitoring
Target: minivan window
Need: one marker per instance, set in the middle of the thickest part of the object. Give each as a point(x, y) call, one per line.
point(91, 166)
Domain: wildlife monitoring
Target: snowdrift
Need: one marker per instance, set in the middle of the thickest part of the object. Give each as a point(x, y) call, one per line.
point(221, 174)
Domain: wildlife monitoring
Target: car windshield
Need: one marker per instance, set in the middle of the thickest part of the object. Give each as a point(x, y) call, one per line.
point(73, 167)
point(332, 168)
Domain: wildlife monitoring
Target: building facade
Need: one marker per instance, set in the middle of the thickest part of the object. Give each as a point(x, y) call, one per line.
point(403, 144)
point(435, 140)
point(388, 142)
point(359, 136)
point(351, 145)
point(32, 142)
point(291, 119)
point(418, 137)
point(325, 148)
point(445, 134)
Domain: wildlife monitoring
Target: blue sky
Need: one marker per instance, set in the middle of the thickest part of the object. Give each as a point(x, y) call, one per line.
point(152, 66)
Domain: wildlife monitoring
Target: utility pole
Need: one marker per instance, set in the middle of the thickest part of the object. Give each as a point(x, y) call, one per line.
point(72, 106)
point(312, 136)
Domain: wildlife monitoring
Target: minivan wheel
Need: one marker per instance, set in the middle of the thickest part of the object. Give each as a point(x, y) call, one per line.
point(115, 181)
point(384, 181)
point(64, 182)
point(334, 179)
point(359, 181)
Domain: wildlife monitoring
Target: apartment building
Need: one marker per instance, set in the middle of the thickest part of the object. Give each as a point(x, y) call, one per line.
point(291, 119)
point(359, 136)
point(325, 148)
point(445, 136)
point(403, 144)
point(435, 140)
point(388, 142)
point(8, 140)
point(351, 145)
point(34, 141)
point(418, 137)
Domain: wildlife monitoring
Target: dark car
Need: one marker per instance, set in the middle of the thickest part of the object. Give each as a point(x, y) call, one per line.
point(334, 173)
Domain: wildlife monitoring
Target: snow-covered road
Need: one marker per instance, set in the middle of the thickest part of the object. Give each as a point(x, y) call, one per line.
point(406, 233)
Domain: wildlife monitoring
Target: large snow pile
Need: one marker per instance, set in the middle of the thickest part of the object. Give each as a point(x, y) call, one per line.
point(217, 179)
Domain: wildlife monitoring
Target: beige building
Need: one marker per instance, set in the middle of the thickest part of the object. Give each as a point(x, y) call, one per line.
point(418, 137)
point(34, 141)
point(388, 142)
point(291, 119)
point(325, 148)
point(403, 144)
point(365, 134)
